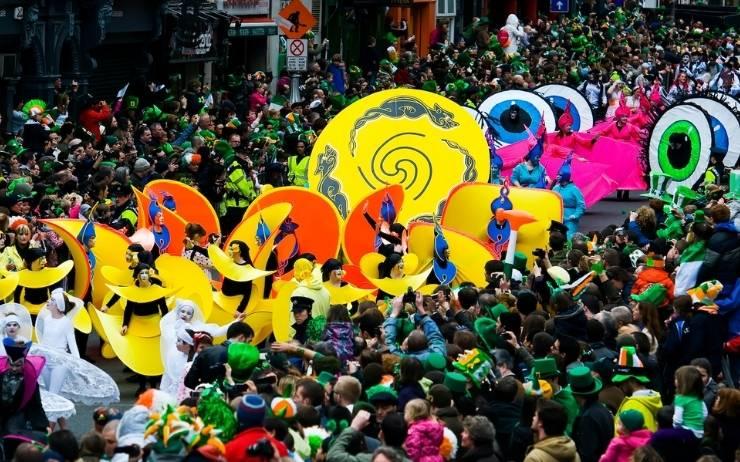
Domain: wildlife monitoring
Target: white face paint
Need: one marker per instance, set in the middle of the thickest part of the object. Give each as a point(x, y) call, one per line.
point(185, 313)
point(11, 329)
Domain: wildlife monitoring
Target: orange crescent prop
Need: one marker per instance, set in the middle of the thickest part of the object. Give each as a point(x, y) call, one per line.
point(359, 237)
point(192, 206)
point(319, 224)
point(83, 272)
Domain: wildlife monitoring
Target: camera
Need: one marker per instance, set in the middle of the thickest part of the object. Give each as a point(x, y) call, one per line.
point(262, 449)
point(409, 297)
point(539, 253)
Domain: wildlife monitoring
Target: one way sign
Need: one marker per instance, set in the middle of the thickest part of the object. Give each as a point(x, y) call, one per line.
point(559, 6)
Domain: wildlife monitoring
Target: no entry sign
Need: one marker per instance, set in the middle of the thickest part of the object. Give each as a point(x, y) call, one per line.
point(297, 55)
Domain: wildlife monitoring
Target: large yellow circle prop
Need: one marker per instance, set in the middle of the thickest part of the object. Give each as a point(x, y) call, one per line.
point(420, 140)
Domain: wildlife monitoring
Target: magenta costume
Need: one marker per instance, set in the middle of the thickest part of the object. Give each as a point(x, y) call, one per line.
point(20, 398)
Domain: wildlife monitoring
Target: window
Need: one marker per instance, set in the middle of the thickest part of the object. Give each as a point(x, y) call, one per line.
point(446, 8)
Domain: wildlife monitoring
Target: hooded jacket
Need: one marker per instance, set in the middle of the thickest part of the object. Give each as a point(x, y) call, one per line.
point(647, 403)
point(650, 276)
point(622, 447)
point(553, 449)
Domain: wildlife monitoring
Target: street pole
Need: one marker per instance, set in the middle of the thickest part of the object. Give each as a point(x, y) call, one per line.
point(295, 90)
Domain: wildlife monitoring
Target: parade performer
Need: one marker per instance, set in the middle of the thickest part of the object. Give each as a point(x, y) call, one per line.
point(511, 35)
point(178, 328)
point(34, 282)
point(530, 173)
point(340, 291)
point(122, 277)
point(565, 136)
point(238, 272)
point(574, 205)
point(65, 373)
point(144, 298)
point(443, 270)
point(391, 237)
point(20, 397)
point(620, 128)
point(158, 227)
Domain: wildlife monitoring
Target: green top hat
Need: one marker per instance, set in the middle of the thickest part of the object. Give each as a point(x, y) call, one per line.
point(486, 330)
point(456, 382)
point(734, 192)
point(581, 382)
point(658, 186)
point(168, 149)
point(430, 85)
point(242, 357)
point(520, 262)
point(544, 368)
point(15, 148)
point(496, 311)
point(435, 362)
point(131, 102)
point(683, 196)
point(654, 294)
point(151, 114)
point(224, 149)
point(325, 378)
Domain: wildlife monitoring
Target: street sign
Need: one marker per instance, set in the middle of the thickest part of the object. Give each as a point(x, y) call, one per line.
point(295, 20)
point(297, 54)
point(559, 6)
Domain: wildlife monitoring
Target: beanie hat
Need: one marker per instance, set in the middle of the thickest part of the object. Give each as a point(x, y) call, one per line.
point(251, 411)
point(632, 420)
point(283, 408)
point(141, 165)
point(242, 357)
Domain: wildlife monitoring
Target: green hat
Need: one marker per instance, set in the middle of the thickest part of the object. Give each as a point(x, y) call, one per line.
point(207, 135)
point(381, 394)
point(15, 148)
point(325, 378)
point(658, 186)
point(168, 149)
point(486, 330)
point(186, 145)
point(734, 192)
point(629, 366)
point(224, 150)
point(497, 311)
point(234, 123)
point(581, 382)
point(544, 368)
point(456, 382)
point(655, 294)
point(430, 85)
point(131, 102)
point(520, 262)
point(632, 420)
point(109, 164)
point(152, 114)
point(19, 190)
point(699, 216)
point(242, 357)
point(435, 362)
point(683, 196)
point(111, 140)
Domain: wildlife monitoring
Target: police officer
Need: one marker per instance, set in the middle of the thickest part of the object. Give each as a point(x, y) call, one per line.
point(241, 188)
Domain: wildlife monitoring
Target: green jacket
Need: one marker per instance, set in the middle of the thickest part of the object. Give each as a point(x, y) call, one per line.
point(338, 451)
point(240, 190)
point(565, 397)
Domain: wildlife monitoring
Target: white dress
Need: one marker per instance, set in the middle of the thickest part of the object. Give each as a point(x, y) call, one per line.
point(56, 334)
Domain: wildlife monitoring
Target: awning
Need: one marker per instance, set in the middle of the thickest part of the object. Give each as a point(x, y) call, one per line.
point(253, 29)
point(206, 10)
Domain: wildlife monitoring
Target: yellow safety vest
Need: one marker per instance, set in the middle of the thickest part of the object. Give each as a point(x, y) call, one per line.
point(298, 171)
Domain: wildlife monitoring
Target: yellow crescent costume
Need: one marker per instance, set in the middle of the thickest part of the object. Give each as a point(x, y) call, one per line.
point(372, 264)
point(340, 291)
point(34, 283)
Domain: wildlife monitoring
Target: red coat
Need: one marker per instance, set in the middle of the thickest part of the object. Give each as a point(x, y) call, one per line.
point(236, 449)
point(650, 276)
point(91, 118)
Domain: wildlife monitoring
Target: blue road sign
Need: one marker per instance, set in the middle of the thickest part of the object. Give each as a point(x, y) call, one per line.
point(559, 6)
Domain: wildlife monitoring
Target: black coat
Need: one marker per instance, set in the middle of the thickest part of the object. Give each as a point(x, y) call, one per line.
point(572, 323)
point(504, 417)
point(208, 366)
point(593, 430)
point(480, 454)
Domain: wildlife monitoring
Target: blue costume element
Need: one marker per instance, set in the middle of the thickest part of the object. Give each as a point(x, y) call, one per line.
point(86, 233)
point(499, 233)
point(387, 214)
point(287, 228)
point(263, 231)
point(444, 270)
point(161, 238)
point(536, 177)
point(169, 202)
point(573, 203)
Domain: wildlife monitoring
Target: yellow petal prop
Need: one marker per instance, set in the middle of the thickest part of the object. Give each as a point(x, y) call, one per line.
point(467, 253)
point(83, 272)
point(418, 139)
point(346, 294)
point(138, 353)
point(260, 320)
point(197, 287)
point(398, 287)
point(191, 205)
point(142, 295)
point(246, 231)
point(7, 285)
point(369, 264)
point(281, 312)
point(468, 210)
point(226, 266)
point(82, 321)
point(117, 276)
point(45, 277)
point(110, 250)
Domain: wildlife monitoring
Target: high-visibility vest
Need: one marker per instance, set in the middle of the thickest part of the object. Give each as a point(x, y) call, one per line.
point(298, 171)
